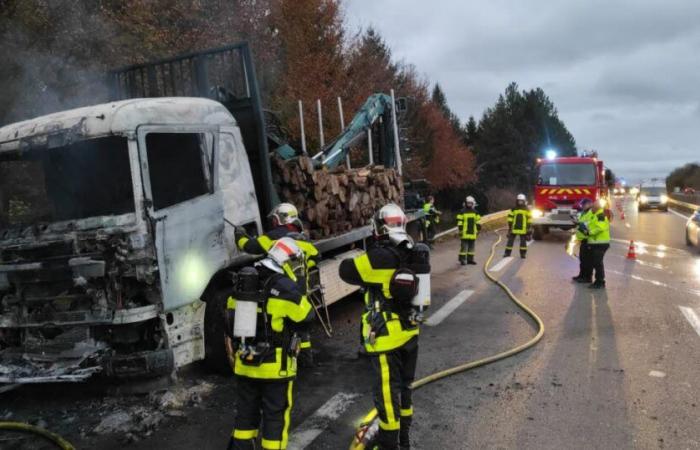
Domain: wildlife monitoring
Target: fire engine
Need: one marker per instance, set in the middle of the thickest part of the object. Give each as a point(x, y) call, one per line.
point(562, 184)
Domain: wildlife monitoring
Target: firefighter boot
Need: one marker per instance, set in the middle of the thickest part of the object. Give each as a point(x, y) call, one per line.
point(404, 431)
point(597, 285)
point(523, 254)
point(470, 260)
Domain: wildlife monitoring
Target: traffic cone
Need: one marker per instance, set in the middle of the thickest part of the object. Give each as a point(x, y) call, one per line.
point(631, 254)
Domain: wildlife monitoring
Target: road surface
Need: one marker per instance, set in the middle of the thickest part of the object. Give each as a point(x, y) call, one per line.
point(616, 369)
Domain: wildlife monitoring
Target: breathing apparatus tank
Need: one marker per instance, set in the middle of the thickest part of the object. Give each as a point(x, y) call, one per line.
point(420, 265)
point(248, 298)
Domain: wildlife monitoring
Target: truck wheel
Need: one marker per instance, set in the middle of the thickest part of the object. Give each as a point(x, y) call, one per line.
point(215, 358)
point(537, 233)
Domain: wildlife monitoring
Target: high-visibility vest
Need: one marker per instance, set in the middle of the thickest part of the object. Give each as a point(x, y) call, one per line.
point(519, 220)
point(285, 305)
point(585, 217)
point(598, 228)
point(467, 222)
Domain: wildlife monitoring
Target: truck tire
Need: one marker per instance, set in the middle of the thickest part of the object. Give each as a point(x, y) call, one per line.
point(538, 232)
point(215, 358)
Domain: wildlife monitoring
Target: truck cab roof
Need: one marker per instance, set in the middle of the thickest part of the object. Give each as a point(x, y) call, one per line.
point(117, 118)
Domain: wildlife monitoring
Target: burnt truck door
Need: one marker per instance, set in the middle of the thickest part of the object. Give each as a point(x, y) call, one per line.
point(185, 207)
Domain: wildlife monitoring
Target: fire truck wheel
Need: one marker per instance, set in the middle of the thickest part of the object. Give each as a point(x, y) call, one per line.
point(538, 232)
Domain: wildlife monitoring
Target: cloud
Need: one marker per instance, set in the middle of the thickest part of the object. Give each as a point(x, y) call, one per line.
point(622, 74)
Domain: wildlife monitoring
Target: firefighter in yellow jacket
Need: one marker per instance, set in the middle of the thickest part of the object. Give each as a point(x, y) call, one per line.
point(469, 225)
point(263, 314)
point(390, 322)
point(519, 225)
point(285, 222)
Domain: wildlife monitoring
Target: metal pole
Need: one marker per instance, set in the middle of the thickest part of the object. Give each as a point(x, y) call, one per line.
point(320, 124)
point(396, 134)
point(369, 146)
point(301, 127)
point(342, 128)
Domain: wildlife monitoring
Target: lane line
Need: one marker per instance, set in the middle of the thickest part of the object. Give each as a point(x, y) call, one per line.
point(692, 318)
point(683, 216)
point(448, 308)
point(303, 435)
point(501, 264)
point(654, 282)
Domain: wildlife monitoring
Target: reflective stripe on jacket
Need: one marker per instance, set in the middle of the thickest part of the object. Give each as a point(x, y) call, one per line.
point(373, 270)
point(519, 220)
point(598, 228)
point(285, 306)
point(469, 222)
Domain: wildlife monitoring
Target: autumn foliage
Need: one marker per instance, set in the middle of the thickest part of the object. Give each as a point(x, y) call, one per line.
point(303, 50)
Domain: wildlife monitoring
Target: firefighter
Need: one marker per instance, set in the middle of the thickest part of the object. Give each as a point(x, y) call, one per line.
point(519, 224)
point(468, 222)
point(285, 222)
point(432, 217)
point(390, 322)
point(585, 272)
point(265, 357)
point(598, 234)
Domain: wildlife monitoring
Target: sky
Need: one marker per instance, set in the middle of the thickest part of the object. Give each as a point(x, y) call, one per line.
point(624, 75)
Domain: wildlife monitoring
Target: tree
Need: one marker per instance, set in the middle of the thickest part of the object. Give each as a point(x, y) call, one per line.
point(471, 131)
point(683, 177)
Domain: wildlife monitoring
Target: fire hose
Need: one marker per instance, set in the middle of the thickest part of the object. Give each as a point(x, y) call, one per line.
point(369, 426)
point(27, 428)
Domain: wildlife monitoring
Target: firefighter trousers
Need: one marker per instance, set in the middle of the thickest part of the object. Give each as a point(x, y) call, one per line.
point(511, 241)
point(585, 264)
point(393, 374)
point(269, 401)
point(597, 254)
point(466, 250)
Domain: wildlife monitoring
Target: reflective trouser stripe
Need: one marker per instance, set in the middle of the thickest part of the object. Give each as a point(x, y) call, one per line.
point(391, 423)
point(509, 247)
point(244, 434)
point(282, 444)
point(305, 344)
point(408, 412)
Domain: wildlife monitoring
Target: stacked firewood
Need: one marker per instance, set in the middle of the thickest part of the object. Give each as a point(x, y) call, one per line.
point(335, 201)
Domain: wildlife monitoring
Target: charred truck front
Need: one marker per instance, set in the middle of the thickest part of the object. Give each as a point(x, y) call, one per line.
point(111, 231)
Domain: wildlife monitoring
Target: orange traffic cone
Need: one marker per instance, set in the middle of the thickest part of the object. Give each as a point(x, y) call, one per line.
point(631, 254)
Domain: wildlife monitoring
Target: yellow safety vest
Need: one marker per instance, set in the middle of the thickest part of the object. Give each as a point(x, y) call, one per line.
point(598, 228)
point(519, 220)
point(467, 222)
point(585, 217)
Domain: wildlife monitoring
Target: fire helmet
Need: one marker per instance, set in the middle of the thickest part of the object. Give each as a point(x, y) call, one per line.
point(521, 198)
point(390, 221)
point(285, 214)
point(285, 256)
point(469, 200)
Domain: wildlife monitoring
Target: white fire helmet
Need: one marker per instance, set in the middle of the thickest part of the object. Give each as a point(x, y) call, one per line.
point(470, 201)
point(391, 221)
point(521, 198)
point(285, 214)
point(284, 256)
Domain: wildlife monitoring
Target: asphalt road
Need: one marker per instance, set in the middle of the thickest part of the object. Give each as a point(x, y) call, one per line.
point(618, 368)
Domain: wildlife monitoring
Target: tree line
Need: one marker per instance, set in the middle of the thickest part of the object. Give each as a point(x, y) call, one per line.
point(687, 176)
point(54, 54)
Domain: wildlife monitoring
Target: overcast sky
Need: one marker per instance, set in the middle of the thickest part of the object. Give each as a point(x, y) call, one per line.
point(624, 75)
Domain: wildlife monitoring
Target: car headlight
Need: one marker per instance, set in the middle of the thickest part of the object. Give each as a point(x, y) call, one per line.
point(664, 198)
point(602, 202)
point(643, 198)
point(537, 213)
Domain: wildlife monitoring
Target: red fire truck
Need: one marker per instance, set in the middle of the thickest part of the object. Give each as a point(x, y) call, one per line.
point(562, 183)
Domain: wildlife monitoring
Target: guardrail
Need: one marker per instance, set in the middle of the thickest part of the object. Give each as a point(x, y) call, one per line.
point(484, 220)
point(690, 206)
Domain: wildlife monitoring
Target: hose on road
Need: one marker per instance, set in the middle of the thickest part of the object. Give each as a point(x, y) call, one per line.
point(370, 424)
point(27, 428)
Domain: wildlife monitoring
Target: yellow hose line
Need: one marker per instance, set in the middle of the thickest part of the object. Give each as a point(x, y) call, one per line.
point(357, 442)
point(27, 428)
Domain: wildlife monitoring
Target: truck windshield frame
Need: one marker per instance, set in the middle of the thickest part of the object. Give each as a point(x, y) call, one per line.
point(566, 174)
point(79, 180)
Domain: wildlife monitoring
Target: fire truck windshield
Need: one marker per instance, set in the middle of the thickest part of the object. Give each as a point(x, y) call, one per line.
point(557, 174)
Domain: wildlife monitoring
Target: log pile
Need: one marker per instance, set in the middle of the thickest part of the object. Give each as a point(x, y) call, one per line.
point(335, 201)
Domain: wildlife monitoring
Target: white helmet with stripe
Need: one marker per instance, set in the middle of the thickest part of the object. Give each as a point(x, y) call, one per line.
point(391, 221)
point(470, 201)
point(521, 198)
point(285, 214)
point(284, 253)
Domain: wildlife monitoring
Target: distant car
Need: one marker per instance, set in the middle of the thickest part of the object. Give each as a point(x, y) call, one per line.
point(652, 197)
point(689, 191)
point(619, 191)
point(692, 230)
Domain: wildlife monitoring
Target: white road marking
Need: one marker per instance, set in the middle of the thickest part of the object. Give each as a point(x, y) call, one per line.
point(303, 435)
point(448, 308)
point(692, 318)
point(657, 374)
point(654, 282)
point(501, 264)
point(683, 216)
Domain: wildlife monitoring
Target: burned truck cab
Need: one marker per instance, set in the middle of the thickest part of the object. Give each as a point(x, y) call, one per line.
point(114, 222)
